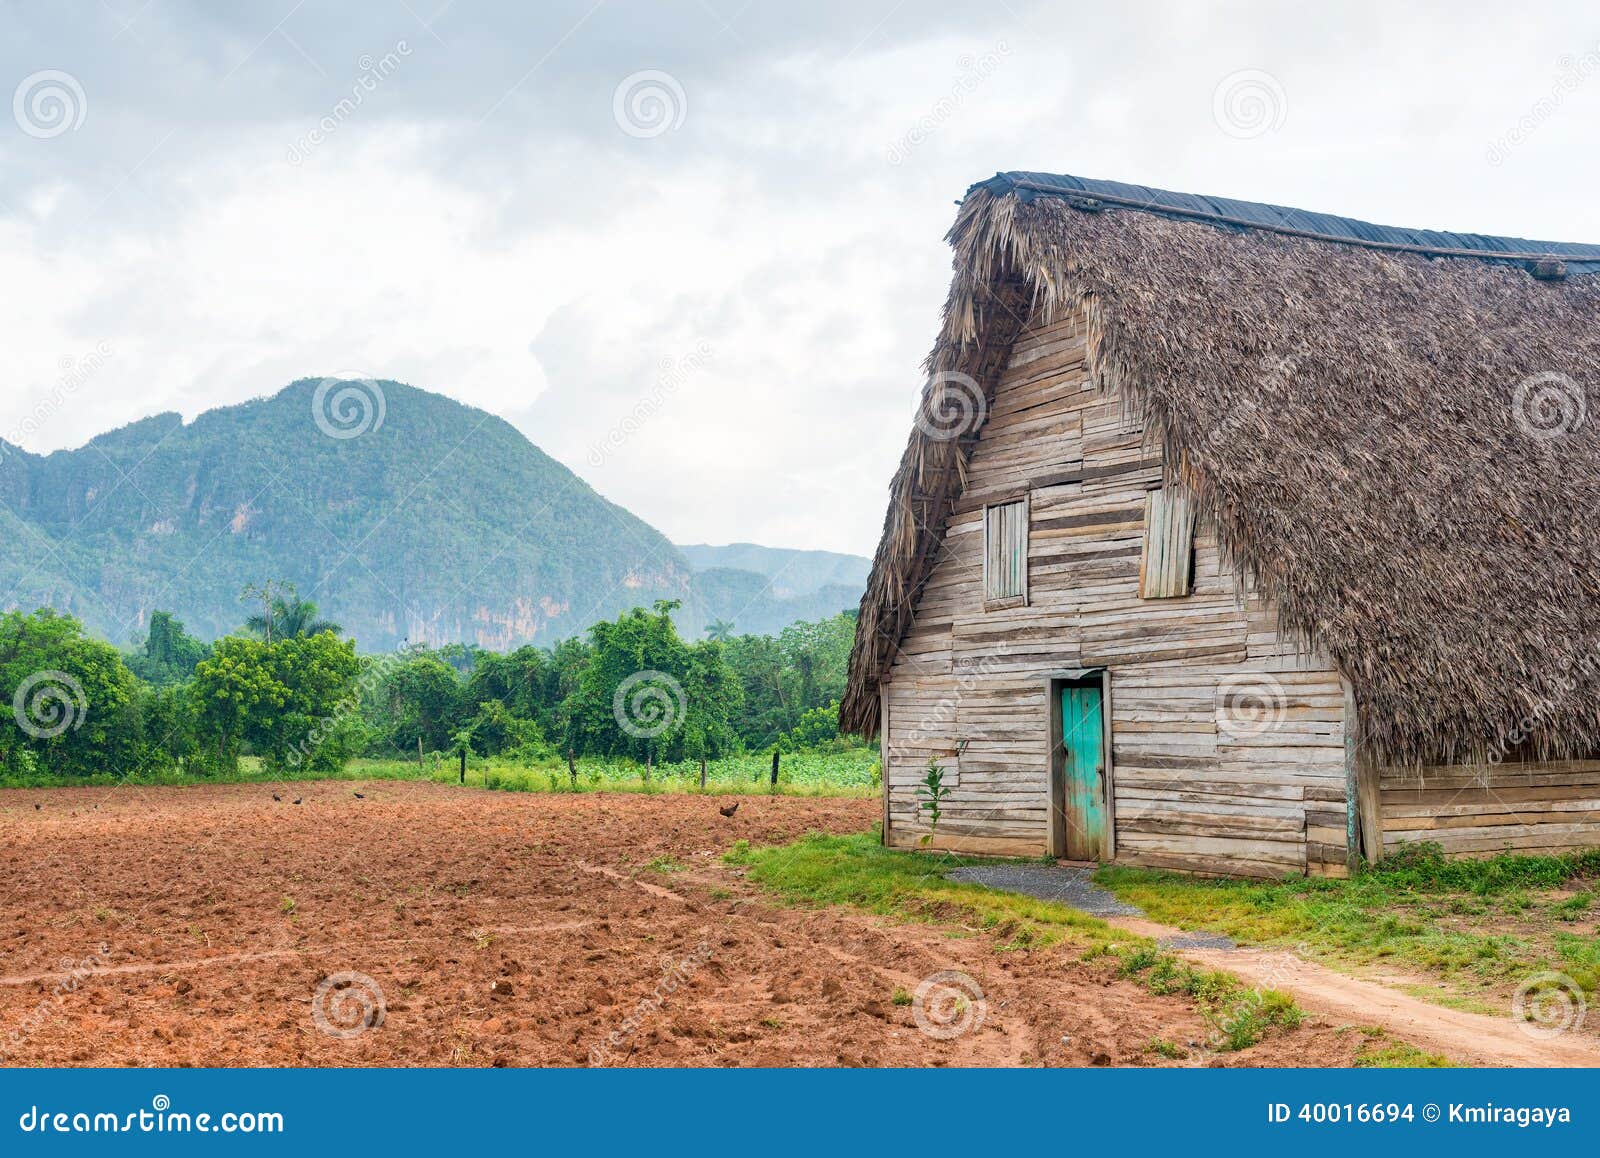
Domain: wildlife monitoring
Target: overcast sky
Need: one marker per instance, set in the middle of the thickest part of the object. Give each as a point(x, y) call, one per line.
point(693, 250)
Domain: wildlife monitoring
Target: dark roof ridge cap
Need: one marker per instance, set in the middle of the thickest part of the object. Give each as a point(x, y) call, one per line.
point(1091, 194)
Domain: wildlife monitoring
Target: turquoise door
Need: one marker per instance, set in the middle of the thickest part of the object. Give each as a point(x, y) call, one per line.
point(1083, 766)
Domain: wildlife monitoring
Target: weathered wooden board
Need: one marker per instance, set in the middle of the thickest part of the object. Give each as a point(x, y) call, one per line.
point(1192, 788)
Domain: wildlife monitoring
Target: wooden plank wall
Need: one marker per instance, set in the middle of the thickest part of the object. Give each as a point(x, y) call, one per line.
point(1479, 810)
point(1198, 785)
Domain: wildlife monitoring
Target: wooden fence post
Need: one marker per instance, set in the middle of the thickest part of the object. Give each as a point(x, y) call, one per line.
point(774, 769)
point(572, 770)
point(702, 774)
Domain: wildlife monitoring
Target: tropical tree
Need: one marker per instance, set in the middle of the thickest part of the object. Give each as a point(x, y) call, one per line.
point(645, 693)
point(286, 699)
point(69, 701)
point(283, 614)
point(423, 700)
point(166, 654)
point(719, 630)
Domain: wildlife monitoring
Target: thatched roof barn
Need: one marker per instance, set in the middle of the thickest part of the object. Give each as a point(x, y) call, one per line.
point(1385, 432)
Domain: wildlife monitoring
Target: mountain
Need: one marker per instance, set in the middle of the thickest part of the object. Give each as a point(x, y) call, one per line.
point(402, 513)
point(791, 572)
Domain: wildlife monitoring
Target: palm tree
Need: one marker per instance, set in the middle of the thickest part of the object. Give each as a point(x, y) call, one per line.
point(720, 630)
point(284, 614)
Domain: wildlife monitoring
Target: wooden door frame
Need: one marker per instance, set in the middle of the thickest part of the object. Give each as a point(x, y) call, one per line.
point(1056, 830)
point(883, 758)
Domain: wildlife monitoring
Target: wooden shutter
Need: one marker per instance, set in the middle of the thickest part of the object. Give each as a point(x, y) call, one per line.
point(1168, 563)
point(1005, 553)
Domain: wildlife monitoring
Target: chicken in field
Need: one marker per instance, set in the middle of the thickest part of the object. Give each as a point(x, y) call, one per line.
point(275, 796)
point(730, 809)
point(297, 800)
point(358, 796)
point(36, 808)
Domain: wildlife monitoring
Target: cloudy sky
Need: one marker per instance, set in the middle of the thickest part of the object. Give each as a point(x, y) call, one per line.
point(694, 250)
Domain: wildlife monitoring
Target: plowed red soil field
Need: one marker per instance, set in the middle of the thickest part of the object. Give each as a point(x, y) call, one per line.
point(429, 925)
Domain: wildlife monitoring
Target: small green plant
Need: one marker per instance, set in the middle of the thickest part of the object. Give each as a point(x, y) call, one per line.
point(1165, 1048)
point(1248, 1017)
point(931, 795)
point(1574, 908)
point(738, 854)
point(900, 996)
point(665, 864)
point(286, 906)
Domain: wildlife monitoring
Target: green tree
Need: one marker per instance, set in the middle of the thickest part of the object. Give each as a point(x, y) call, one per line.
point(784, 677)
point(816, 727)
point(234, 692)
point(166, 654)
point(316, 726)
point(283, 613)
point(70, 701)
point(719, 630)
point(424, 701)
point(644, 693)
point(495, 731)
point(286, 699)
point(170, 723)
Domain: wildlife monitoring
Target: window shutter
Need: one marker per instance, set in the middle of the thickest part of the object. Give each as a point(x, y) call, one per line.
point(1168, 563)
point(1005, 552)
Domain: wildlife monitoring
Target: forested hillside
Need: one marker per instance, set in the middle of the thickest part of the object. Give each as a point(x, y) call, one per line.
point(407, 517)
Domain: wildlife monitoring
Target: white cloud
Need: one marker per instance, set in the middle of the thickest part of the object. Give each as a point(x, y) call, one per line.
point(541, 264)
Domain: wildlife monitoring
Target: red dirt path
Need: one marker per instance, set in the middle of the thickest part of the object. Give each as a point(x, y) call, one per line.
point(502, 929)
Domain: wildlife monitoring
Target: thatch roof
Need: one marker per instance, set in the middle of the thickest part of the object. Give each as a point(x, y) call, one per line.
point(1395, 431)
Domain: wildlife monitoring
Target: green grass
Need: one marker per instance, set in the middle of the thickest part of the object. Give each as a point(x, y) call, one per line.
point(850, 772)
point(249, 771)
point(814, 772)
point(856, 870)
point(1382, 1053)
point(1481, 926)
